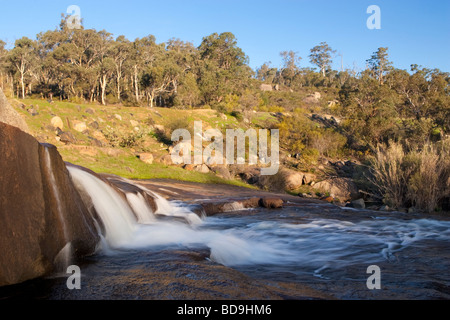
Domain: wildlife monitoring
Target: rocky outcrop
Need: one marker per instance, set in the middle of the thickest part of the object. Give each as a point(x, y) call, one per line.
point(57, 122)
point(285, 179)
point(40, 209)
point(9, 115)
point(265, 87)
point(146, 157)
point(313, 98)
point(342, 188)
point(271, 202)
point(213, 207)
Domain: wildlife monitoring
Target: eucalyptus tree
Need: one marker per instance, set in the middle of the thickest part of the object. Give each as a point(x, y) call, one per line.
point(105, 63)
point(379, 64)
point(23, 59)
point(321, 56)
point(143, 54)
point(266, 73)
point(291, 67)
point(3, 53)
point(223, 67)
point(120, 52)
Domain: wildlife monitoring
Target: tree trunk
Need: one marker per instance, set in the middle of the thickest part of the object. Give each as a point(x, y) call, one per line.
point(119, 77)
point(23, 85)
point(118, 88)
point(136, 85)
point(103, 81)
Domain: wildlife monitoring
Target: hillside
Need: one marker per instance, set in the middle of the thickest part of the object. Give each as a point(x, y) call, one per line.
point(116, 139)
point(135, 142)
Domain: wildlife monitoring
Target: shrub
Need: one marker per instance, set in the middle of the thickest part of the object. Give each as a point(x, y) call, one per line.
point(237, 114)
point(328, 142)
point(428, 185)
point(310, 155)
point(390, 175)
point(419, 177)
point(174, 124)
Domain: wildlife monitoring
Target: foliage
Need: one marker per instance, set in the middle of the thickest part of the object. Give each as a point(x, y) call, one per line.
point(372, 111)
point(416, 177)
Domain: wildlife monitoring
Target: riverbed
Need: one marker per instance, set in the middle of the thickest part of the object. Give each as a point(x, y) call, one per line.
point(306, 250)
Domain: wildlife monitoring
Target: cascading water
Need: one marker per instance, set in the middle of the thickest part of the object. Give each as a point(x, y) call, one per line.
point(115, 213)
point(153, 253)
point(311, 244)
point(269, 243)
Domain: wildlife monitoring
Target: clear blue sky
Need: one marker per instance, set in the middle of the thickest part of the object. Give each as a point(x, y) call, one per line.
point(415, 31)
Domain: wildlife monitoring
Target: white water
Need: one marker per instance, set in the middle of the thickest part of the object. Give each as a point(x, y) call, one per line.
point(314, 244)
point(115, 213)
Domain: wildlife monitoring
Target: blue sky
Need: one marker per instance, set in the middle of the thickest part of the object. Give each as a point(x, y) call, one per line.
point(415, 31)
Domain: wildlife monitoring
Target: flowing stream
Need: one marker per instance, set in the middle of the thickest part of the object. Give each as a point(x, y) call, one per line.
point(329, 253)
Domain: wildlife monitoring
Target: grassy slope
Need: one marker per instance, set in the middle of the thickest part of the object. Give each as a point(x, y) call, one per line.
point(124, 162)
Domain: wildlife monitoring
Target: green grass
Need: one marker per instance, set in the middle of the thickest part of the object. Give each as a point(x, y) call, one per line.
point(126, 163)
point(129, 166)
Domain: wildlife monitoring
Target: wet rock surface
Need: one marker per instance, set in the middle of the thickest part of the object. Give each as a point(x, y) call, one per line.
point(40, 209)
point(163, 275)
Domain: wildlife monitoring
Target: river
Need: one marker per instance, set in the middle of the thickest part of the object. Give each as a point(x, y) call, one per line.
point(303, 251)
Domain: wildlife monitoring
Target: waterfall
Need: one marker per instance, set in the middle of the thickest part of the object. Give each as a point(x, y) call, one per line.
point(164, 207)
point(116, 214)
point(65, 255)
point(125, 218)
point(141, 208)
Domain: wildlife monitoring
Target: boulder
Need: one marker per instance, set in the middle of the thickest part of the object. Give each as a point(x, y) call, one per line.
point(221, 171)
point(358, 204)
point(308, 178)
point(189, 167)
point(95, 142)
point(79, 126)
point(203, 168)
point(41, 210)
point(313, 98)
point(251, 175)
point(272, 202)
point(285, 179)
point(57, 122)
point(90, 111)
point(94, 125)
point(328, 199)
point(146, 157)
point(9, 115)
point(343, 188)
point(265, 87)
point(67, 137)
point(33, 112)
point(166, 159)
point(291, 179)
point(100, 136)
